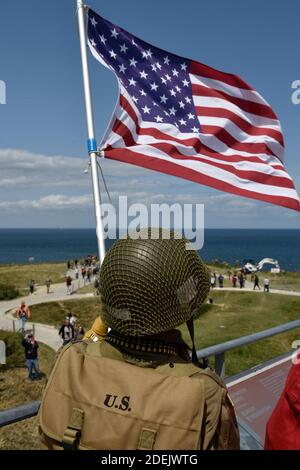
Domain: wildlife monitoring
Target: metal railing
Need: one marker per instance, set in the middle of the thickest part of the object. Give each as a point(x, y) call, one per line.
point(31, 409)
point(13, 415)
point(15, 328)
point(219, 350)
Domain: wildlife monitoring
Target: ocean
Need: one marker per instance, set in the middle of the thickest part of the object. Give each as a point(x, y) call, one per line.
point(230, 245)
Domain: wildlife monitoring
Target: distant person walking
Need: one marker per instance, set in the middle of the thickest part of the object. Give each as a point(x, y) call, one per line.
point(266, 284)
point(79, 333)
point(69, 285)
point(31, 286)
point(234, 279)
point(241, 280)
point(66, 332)
point(48, 285)
point(72, 319)
point(23, 314)
point(221, 280)
point(31, 357)
point(96, 286)
point(256, 282)
point(83, 274)
point(213, 280)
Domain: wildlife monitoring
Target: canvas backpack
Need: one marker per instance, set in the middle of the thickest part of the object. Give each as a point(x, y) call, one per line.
point(97, 402)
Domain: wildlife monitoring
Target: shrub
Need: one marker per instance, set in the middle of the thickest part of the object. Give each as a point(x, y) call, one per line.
point(14, 349)
point(8, 292)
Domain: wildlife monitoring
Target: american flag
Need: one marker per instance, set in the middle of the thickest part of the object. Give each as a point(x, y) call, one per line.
point(180, 117)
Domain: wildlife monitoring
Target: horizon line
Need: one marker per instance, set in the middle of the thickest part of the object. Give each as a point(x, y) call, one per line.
point(94, 228)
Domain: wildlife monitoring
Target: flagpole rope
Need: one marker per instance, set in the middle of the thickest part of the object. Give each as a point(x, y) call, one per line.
point(104, 182)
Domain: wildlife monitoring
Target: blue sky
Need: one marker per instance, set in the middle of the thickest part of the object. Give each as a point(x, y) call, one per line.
point(42, 124)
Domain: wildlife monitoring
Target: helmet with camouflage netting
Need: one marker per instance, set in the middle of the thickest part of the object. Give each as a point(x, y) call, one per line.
point(152, 283)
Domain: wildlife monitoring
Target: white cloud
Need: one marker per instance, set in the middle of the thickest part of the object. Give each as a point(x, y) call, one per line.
point(28, 182)
point(21, 168)
point(12, 182)
point(51, 202)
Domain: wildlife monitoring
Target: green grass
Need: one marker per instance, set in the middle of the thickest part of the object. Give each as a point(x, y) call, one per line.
point(20, 436)
point(16, 389)
point(236, 314)
point(53, 313)
point(19, 275)
point(284, 280)
point(8, 292)
point(89, 288)
point(232, 315)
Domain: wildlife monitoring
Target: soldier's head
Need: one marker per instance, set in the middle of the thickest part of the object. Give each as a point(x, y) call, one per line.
point(151, 284)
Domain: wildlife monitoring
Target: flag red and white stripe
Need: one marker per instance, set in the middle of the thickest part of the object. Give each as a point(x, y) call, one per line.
point(238, 147)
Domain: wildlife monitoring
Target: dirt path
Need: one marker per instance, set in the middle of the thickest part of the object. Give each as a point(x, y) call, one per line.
point(45, 333)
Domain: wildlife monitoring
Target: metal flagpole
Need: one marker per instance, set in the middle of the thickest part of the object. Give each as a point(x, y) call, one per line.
point(92, 144)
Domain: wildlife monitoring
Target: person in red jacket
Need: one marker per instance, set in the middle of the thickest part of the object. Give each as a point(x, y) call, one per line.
point(23, 314)
point(283, 427)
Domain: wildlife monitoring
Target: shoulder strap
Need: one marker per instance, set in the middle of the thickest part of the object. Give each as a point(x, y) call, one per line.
point(210, 373)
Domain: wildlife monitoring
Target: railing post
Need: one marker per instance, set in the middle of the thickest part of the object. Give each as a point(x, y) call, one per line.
point(33, 329)
point(14, 326)
point(220, 364)
point(2, 352)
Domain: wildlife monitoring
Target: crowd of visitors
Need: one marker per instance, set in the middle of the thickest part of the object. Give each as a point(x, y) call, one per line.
point(83, 272)
point(235, 278)
point(70, 330)
point(238, 278)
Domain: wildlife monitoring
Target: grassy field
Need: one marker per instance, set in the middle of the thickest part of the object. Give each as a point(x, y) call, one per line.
point(233, 314)
point(86, 289)
point(53, 313)
point(284, 280)
point(16, 389)
point(19, 275)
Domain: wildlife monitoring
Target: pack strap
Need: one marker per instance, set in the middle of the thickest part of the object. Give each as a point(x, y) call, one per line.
point(72, 434)
point(195, 360)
